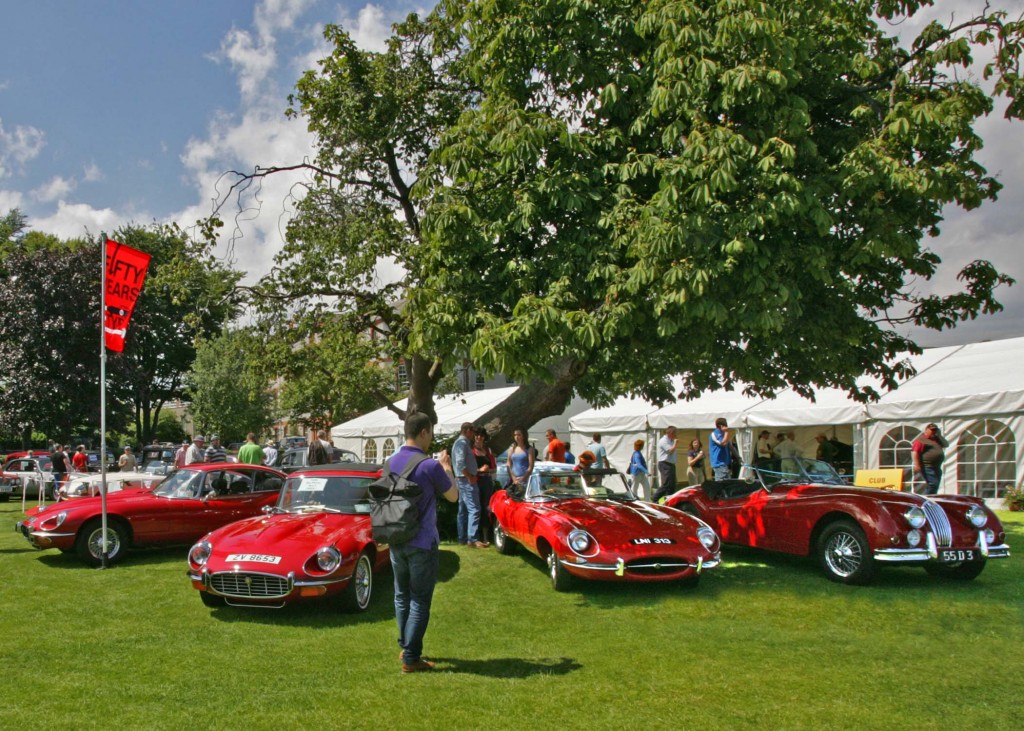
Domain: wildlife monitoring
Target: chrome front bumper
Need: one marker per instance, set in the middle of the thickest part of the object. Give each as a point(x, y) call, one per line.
point(620, 566)
point(930, 552)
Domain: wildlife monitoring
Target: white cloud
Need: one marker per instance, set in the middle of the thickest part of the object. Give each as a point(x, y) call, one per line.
point(20, 145)
point(9, 199)
point(78, 220)
point(92, 173)
point(55, 189)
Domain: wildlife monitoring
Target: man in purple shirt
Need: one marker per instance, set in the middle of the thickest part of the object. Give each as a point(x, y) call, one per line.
point(415, 564)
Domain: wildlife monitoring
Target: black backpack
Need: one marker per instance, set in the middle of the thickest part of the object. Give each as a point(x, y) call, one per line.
point(394, 504)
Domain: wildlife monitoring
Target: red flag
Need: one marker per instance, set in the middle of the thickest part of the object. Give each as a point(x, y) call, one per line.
point(126, 272)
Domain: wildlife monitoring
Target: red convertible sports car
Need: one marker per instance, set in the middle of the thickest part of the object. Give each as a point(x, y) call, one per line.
point(803, 507)
point(188, 504)
point(315, 542)
point(588, 524)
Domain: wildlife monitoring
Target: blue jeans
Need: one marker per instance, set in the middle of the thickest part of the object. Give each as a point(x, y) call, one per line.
point(932, 479)
point(468, 519)
point(415, 572)
point(721, 472)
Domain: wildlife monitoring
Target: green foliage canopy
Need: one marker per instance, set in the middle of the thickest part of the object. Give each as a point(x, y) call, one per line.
point(737, 191)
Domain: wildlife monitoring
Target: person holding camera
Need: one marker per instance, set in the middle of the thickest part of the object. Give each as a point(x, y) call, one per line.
point(928, 453)
point(695, 473)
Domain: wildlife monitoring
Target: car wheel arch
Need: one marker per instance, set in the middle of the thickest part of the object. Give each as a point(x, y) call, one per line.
point(824, 522)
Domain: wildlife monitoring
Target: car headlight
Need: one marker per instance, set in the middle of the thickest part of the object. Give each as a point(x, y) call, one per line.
point(200, 553)
point(582, 542)
point(916, 517)
point(54, 522)
point(328, 558)
point(914, 538)
point(977, 516)
point(707, 537)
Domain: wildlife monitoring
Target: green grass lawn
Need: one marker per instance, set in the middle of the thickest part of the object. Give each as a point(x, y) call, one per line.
point(764, 642)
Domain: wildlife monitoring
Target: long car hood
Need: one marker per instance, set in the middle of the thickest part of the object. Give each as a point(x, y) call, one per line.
point(629, 517)
point(300, 534)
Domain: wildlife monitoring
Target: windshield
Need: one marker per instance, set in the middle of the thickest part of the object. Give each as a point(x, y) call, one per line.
point(594, 483)
point(799, 469)
point(334, 494)
point(182, 484)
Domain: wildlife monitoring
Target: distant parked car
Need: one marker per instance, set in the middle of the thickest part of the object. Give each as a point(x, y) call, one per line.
point(295, 459)
point(802, 506)
point(88, 485)
point(162, 453)
point(293, 442)
point(315, 542)
point(27, 473)
point(93, 455)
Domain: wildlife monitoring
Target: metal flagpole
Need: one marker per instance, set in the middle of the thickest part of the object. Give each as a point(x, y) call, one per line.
point(103, 402)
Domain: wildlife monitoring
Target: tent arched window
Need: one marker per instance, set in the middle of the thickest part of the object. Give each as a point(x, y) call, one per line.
point(370, 450)
point(896, 452)
point(986, 459)
point(389, 448)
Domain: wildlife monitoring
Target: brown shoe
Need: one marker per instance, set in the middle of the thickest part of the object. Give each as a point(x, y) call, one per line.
point(478, 544)
point(420, 666)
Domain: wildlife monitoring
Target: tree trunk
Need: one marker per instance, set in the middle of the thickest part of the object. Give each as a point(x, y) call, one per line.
point(532, 402)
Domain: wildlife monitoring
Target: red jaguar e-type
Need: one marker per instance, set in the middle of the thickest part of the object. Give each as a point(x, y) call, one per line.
point(315, 542)
point(803, 507)
point(188, 504)
point(589, 524)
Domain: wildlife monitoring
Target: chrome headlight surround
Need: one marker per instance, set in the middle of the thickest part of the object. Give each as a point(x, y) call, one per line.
point(328, 559)
point(53, 522)
point(707, 537)
point(581, 542)
point(976, 516)
point(200, 553)
point(915, 517)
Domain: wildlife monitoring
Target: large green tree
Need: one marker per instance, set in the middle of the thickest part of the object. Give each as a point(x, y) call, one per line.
point(229, 392)
point(736, 191)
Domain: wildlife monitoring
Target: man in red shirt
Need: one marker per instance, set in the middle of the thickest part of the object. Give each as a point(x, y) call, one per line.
point(927, 451)
point(556, 448)
point(79, 460)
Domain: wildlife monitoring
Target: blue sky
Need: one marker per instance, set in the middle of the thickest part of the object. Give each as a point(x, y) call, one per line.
point(119, 111)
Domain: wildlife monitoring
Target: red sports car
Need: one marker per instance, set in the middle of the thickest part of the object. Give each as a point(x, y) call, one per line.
point(590, 525)
point(188, 504)
point(803, 507)
point(315, 542)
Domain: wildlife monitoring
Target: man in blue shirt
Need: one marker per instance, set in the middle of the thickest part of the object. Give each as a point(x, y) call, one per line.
point(464, 467)
point(415, 564)
point(721, 456)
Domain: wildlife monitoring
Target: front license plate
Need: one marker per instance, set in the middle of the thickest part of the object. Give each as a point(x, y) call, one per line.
point(652, 541)
point(956, 555)
point(252, 558)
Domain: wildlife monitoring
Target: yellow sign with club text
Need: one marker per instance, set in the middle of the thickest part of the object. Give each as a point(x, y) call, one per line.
point(880, 479)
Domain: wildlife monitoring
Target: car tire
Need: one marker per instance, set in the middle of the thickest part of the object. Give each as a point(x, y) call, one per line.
point(505, 545)
point(561, 579)
point(359, 592)
point(211, 600)
point(844, 553)
point(964, 571)
point(88, 544)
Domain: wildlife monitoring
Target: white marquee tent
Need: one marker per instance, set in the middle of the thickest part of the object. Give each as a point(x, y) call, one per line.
point(974, 392)
point(375, 436)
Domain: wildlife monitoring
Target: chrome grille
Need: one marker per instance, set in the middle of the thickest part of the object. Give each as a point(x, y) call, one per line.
point(259, 586)
point(939, 522)
point(655, 566)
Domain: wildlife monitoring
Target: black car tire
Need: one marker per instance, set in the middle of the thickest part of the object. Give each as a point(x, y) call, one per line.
point(505, 545)
point(844, 553)
point(561, 579)
point(88, 544)
point(211, 600)
point(359, 592)
point(963, 571)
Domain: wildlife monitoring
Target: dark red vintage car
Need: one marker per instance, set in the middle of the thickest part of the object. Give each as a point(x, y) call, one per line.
point(803, 507)
point(315, 542)
point(590, 525)
point(188, 504)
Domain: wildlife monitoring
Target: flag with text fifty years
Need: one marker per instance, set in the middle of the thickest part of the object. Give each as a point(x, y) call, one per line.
point(126, 272)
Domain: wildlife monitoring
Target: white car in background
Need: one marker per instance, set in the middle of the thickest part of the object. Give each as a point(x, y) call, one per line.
point(88, 485)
